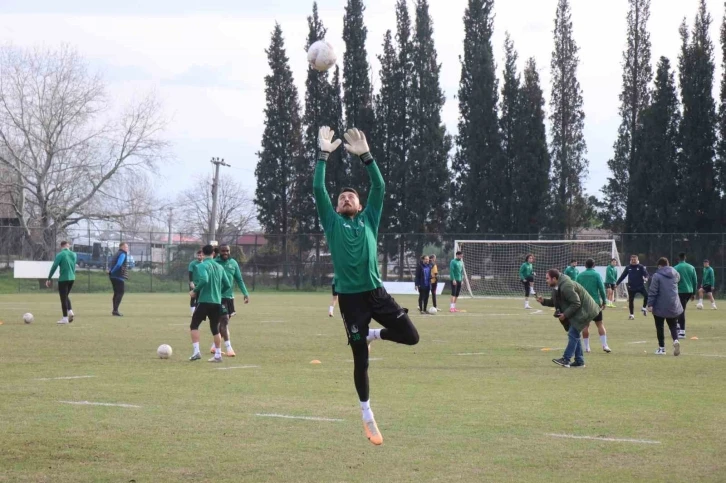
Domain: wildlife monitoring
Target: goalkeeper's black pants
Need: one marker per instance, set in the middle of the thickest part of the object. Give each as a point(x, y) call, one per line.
point(433, 293)
point(631, 297)
point(423, 298)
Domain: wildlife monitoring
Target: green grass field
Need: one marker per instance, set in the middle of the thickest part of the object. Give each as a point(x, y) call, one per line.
point(477, 400)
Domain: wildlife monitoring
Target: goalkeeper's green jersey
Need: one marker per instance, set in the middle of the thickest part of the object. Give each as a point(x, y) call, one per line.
point(526, 270)
point(353, 241)
point(611, 275)
point(709, 277)
point(572, 272)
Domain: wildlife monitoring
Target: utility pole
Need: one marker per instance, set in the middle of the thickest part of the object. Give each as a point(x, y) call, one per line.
point(215, 188)
point(168, 241)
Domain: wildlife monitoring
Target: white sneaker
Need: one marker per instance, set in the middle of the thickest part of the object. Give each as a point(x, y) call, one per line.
point(660, 352)
point(699, 306)
point(62, 321)
point(676, 348)
point(631, 317)
point(527, 307)
point(645, 311)
point(587, 349)
point(713, 307)
point(532, 292)
point(215, 359)
point(681, 334)
point(606, 349)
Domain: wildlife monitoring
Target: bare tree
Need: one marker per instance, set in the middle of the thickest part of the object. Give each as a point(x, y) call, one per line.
point(135, 195)
point(63, 143)
point(236, 212)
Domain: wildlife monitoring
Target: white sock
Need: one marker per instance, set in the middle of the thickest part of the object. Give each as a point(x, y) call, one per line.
point(453, 306)
point(586, 342)
point(700, 301)
point(604, 340)
point(373, 334)
point(196, 347)
point(365, 407)
point(192, 310)
point(330, 309)
point(228, 344)
point(217, 352)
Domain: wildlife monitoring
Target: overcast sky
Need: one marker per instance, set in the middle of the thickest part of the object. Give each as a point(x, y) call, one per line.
point(207, 62)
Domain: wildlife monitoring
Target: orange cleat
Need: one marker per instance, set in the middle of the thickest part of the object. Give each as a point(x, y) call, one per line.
point(229, 353)
point(372, 432)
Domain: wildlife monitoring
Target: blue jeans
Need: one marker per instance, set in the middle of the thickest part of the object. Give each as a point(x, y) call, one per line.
point(574, 345)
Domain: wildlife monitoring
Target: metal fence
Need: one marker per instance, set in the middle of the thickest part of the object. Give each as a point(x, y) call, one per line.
point(295, 262)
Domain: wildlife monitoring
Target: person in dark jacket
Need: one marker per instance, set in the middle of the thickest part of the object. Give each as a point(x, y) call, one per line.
point(637, 276)
point(665, 304)
point(118, 275)
point(423, 283)
point(575, 309)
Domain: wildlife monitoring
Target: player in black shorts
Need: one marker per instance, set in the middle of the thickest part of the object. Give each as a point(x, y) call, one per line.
point(352, 235)
point(334, 300)
point(210, 281)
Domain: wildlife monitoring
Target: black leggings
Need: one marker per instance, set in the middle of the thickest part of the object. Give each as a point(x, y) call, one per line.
point(528, 282)
point(659, 328)
point(118, 292)
point(631, 297)
point(685, 297)
point(433, 293)
point(64, 290)
point(423, 298)
point(357, 311)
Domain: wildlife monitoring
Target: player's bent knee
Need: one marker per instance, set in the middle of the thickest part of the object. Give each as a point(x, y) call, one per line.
point(214, 327)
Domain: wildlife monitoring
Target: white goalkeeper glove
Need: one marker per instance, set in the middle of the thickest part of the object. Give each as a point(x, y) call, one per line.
point(325, 140)
point(357, 144)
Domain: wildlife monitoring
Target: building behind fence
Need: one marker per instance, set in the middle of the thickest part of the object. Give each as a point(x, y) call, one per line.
point(301, 262)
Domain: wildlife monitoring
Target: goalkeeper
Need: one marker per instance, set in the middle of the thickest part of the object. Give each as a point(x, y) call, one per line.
point(526, 275)
point(352, 235)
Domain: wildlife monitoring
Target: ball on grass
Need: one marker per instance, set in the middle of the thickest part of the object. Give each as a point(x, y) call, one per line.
point(164, 351)
point(28, 318)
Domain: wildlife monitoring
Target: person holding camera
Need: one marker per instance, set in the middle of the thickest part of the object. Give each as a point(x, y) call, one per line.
point(575, 309)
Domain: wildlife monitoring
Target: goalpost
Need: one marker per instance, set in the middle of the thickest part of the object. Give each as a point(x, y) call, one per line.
point(491, 268)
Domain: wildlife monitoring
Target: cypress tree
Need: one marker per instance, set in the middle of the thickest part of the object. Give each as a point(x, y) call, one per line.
point(696, 167)
point(317, 113)
point(655, 175)
point(622, 197)
point(478, 141)
point(357, 91)
point(430, 144)
point(281, 144)
point(510, 123)
point(531, 183)
point(567, 118)
point(721, 147)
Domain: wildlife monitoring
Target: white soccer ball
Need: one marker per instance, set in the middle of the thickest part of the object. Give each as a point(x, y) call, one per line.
point(28, 318)
point(698, 307)
point(321, 56)
point(432, 310)
point(164, 351)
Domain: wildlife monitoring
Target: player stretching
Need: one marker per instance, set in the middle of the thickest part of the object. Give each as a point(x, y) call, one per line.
point(611, 277)
point(526, 275)
point(637, 276)
point(192, 264)
point(210, 281)
point(572, 270)
point(592, 282)
point(352, 235)
point(709, 282)
point(66, 261)
point(686, 289)
point(456, 272)
point(231, 268)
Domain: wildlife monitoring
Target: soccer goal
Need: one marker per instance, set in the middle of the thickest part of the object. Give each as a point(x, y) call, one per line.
point(491, 268)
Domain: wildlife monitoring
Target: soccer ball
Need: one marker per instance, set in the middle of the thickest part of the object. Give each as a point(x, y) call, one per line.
point(164, 351)
point(432, 310)
point(28, 318)
point(698, 306)
point(321, 56)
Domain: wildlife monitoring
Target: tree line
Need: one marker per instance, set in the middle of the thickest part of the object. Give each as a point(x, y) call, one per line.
point(501, 172)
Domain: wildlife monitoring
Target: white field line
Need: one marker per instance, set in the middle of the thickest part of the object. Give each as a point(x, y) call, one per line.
point(600, 438)
point(89, 403)
point(639, 342)
point(472, 353)
point(272, 321)
point(370, 359)
point(63, 378)
point(306, 418)
point(235, 367)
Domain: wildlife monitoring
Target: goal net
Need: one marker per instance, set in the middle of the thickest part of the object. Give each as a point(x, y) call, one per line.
point(491, 268)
